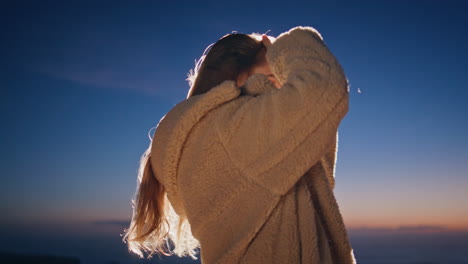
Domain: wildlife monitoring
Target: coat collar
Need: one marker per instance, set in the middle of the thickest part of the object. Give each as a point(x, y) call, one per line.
point(257, 84)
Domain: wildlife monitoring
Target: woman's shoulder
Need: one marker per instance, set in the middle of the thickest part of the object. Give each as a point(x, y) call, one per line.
point(175, 127)
point(185, 114)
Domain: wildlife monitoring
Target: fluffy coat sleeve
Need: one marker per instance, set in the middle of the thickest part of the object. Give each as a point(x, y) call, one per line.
point(274, 138)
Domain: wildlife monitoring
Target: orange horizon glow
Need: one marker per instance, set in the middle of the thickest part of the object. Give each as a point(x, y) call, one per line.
point(451, 226)
point(396, 227)
point(349, 223)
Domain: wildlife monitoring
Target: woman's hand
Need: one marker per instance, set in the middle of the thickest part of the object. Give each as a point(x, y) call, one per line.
point(261, 65)
point(267, 40)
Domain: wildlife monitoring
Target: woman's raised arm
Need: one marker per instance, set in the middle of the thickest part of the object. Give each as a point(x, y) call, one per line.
point(274, 138)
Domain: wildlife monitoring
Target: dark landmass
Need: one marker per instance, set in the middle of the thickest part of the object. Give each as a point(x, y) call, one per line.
point(16, 258)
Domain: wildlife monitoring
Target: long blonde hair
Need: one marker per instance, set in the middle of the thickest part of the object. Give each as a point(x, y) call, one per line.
point(155, 225)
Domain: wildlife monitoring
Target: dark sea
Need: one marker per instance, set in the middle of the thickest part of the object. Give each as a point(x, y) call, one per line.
point(373, 248)
point(411, 248)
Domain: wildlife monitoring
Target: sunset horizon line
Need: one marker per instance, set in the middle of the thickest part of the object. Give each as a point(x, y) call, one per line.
point(106, 223)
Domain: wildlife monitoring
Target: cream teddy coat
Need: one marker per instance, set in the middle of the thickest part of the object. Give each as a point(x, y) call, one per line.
point(252, 168)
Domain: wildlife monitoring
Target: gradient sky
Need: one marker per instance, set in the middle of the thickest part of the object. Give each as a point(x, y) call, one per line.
point(82, 84)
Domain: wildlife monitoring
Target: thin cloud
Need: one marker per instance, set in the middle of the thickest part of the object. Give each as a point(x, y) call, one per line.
point(105, 77)
point(96, 54)
point(112, 222)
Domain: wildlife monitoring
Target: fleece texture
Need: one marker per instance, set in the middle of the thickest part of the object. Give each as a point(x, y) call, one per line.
point(252, 168)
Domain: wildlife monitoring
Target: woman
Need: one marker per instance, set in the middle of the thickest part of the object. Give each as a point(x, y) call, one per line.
point(244, 167)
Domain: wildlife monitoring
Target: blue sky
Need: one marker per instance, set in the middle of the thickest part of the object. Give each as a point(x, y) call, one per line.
point(83, 82)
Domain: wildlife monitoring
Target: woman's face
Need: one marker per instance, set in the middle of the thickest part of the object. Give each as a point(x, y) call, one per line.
point(261, 67)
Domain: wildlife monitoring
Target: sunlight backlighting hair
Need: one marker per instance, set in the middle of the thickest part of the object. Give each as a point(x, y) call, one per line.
point(155, 226)
point(224, 60)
